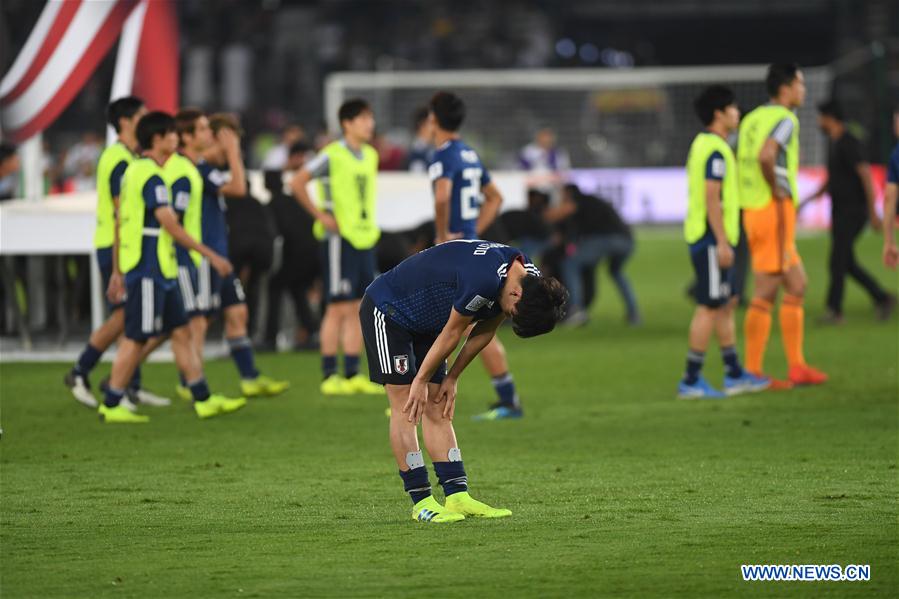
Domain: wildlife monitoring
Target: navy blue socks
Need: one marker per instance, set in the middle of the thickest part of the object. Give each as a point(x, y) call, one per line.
point(87, 360)
point(199, 389)
point(505, 390)
point(329, 366)
point(242, 354)
point(416, 483)
point(694, 366)
point(731, 362)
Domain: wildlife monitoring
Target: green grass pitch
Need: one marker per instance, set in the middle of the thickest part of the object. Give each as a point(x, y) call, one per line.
point(617, 489)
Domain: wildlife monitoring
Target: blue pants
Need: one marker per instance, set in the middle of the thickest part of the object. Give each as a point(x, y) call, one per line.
point(589, 252)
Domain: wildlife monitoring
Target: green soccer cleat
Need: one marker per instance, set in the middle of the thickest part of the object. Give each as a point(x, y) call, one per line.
point(335, 385)
point(217, 404)
point(463, 503)
point(183, 392)
point(262, 386)
point(428, 510)
point(120, 415)
point(360, 384)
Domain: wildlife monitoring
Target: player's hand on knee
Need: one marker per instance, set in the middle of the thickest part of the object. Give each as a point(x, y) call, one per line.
point(418, 399)
point(447, 394)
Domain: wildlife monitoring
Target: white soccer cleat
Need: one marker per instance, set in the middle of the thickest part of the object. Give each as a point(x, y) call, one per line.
point(129, 405)
point(80, 389)
point(146, 398)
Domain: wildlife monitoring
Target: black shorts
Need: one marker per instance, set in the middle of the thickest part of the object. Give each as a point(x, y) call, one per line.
point(153, 306)
point(394, 353)
point(714, 285)
point(346, 271)
point(223, 292)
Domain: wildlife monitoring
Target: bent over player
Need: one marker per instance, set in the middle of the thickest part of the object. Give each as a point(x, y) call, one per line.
point(413, 317)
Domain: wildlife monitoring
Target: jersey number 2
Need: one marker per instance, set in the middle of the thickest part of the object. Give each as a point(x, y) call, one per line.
point(470, 194)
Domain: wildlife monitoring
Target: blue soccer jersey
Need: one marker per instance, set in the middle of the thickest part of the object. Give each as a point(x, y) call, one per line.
point(180, 201)
point(457, 162)
point(214, 228)
point(466, 275)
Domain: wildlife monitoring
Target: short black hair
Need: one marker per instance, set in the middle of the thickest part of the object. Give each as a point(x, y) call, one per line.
point(448, 109)
point(542, 305)
point(152, 124)
point(6, 151)
point(832, 109)
point(300, 147)
point(573, 190)
point(782, 73)
point(122, 108)
point(712, 98)
point(351, 109)
point(186, 120)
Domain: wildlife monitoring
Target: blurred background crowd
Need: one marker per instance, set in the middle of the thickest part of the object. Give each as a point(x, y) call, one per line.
point(268, 61)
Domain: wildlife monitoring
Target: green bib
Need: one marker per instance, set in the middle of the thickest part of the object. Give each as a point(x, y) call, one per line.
point(104, 235)
point(350, 194)
point(696, 222)
point(179, 167)
point(755, 129)
point(131, 222)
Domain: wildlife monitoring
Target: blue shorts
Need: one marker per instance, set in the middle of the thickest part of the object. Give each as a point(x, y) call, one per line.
point(394, 353)
point(196, 297)
point(104, 263)
point(218, 292)
point(346, 271)
point(714, 285)
point(153, 306)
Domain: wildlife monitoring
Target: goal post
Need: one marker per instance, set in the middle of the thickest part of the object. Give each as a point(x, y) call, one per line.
point(637, 117)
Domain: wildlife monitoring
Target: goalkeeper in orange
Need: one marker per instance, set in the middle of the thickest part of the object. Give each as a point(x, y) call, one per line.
point(768, 164)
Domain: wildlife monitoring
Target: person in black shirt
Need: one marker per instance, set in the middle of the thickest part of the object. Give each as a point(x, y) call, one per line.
point(852, 206)
point(594, 231)
point(297, 273)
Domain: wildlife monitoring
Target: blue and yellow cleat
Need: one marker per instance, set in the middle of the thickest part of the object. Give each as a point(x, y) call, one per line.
point(216, 405)
point(465, 504)
point(429, 510)
point(500, 412)
point(701, 389)
point(748, 383)
point(262, 386)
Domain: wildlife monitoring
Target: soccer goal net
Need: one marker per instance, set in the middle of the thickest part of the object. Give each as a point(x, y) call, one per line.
point(639, 117)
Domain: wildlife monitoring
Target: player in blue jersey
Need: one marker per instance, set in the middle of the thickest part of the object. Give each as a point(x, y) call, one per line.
point(213, 293)
point(413, 317)
point(123, 115)
point(466, 202)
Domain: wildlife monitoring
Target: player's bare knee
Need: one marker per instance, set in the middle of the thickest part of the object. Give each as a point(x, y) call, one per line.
point(236, 316)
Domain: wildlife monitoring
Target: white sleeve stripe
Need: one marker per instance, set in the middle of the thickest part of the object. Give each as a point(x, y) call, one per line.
point(783, 131)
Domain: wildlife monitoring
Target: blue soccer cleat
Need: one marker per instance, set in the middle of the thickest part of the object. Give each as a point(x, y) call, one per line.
point(747, 383)
point(701, 389)
point(500, 412)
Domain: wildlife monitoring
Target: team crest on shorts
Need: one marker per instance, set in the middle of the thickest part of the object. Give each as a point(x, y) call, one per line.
point(401, 364)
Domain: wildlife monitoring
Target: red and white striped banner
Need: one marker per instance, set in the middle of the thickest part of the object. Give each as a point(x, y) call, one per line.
point(70, 39)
